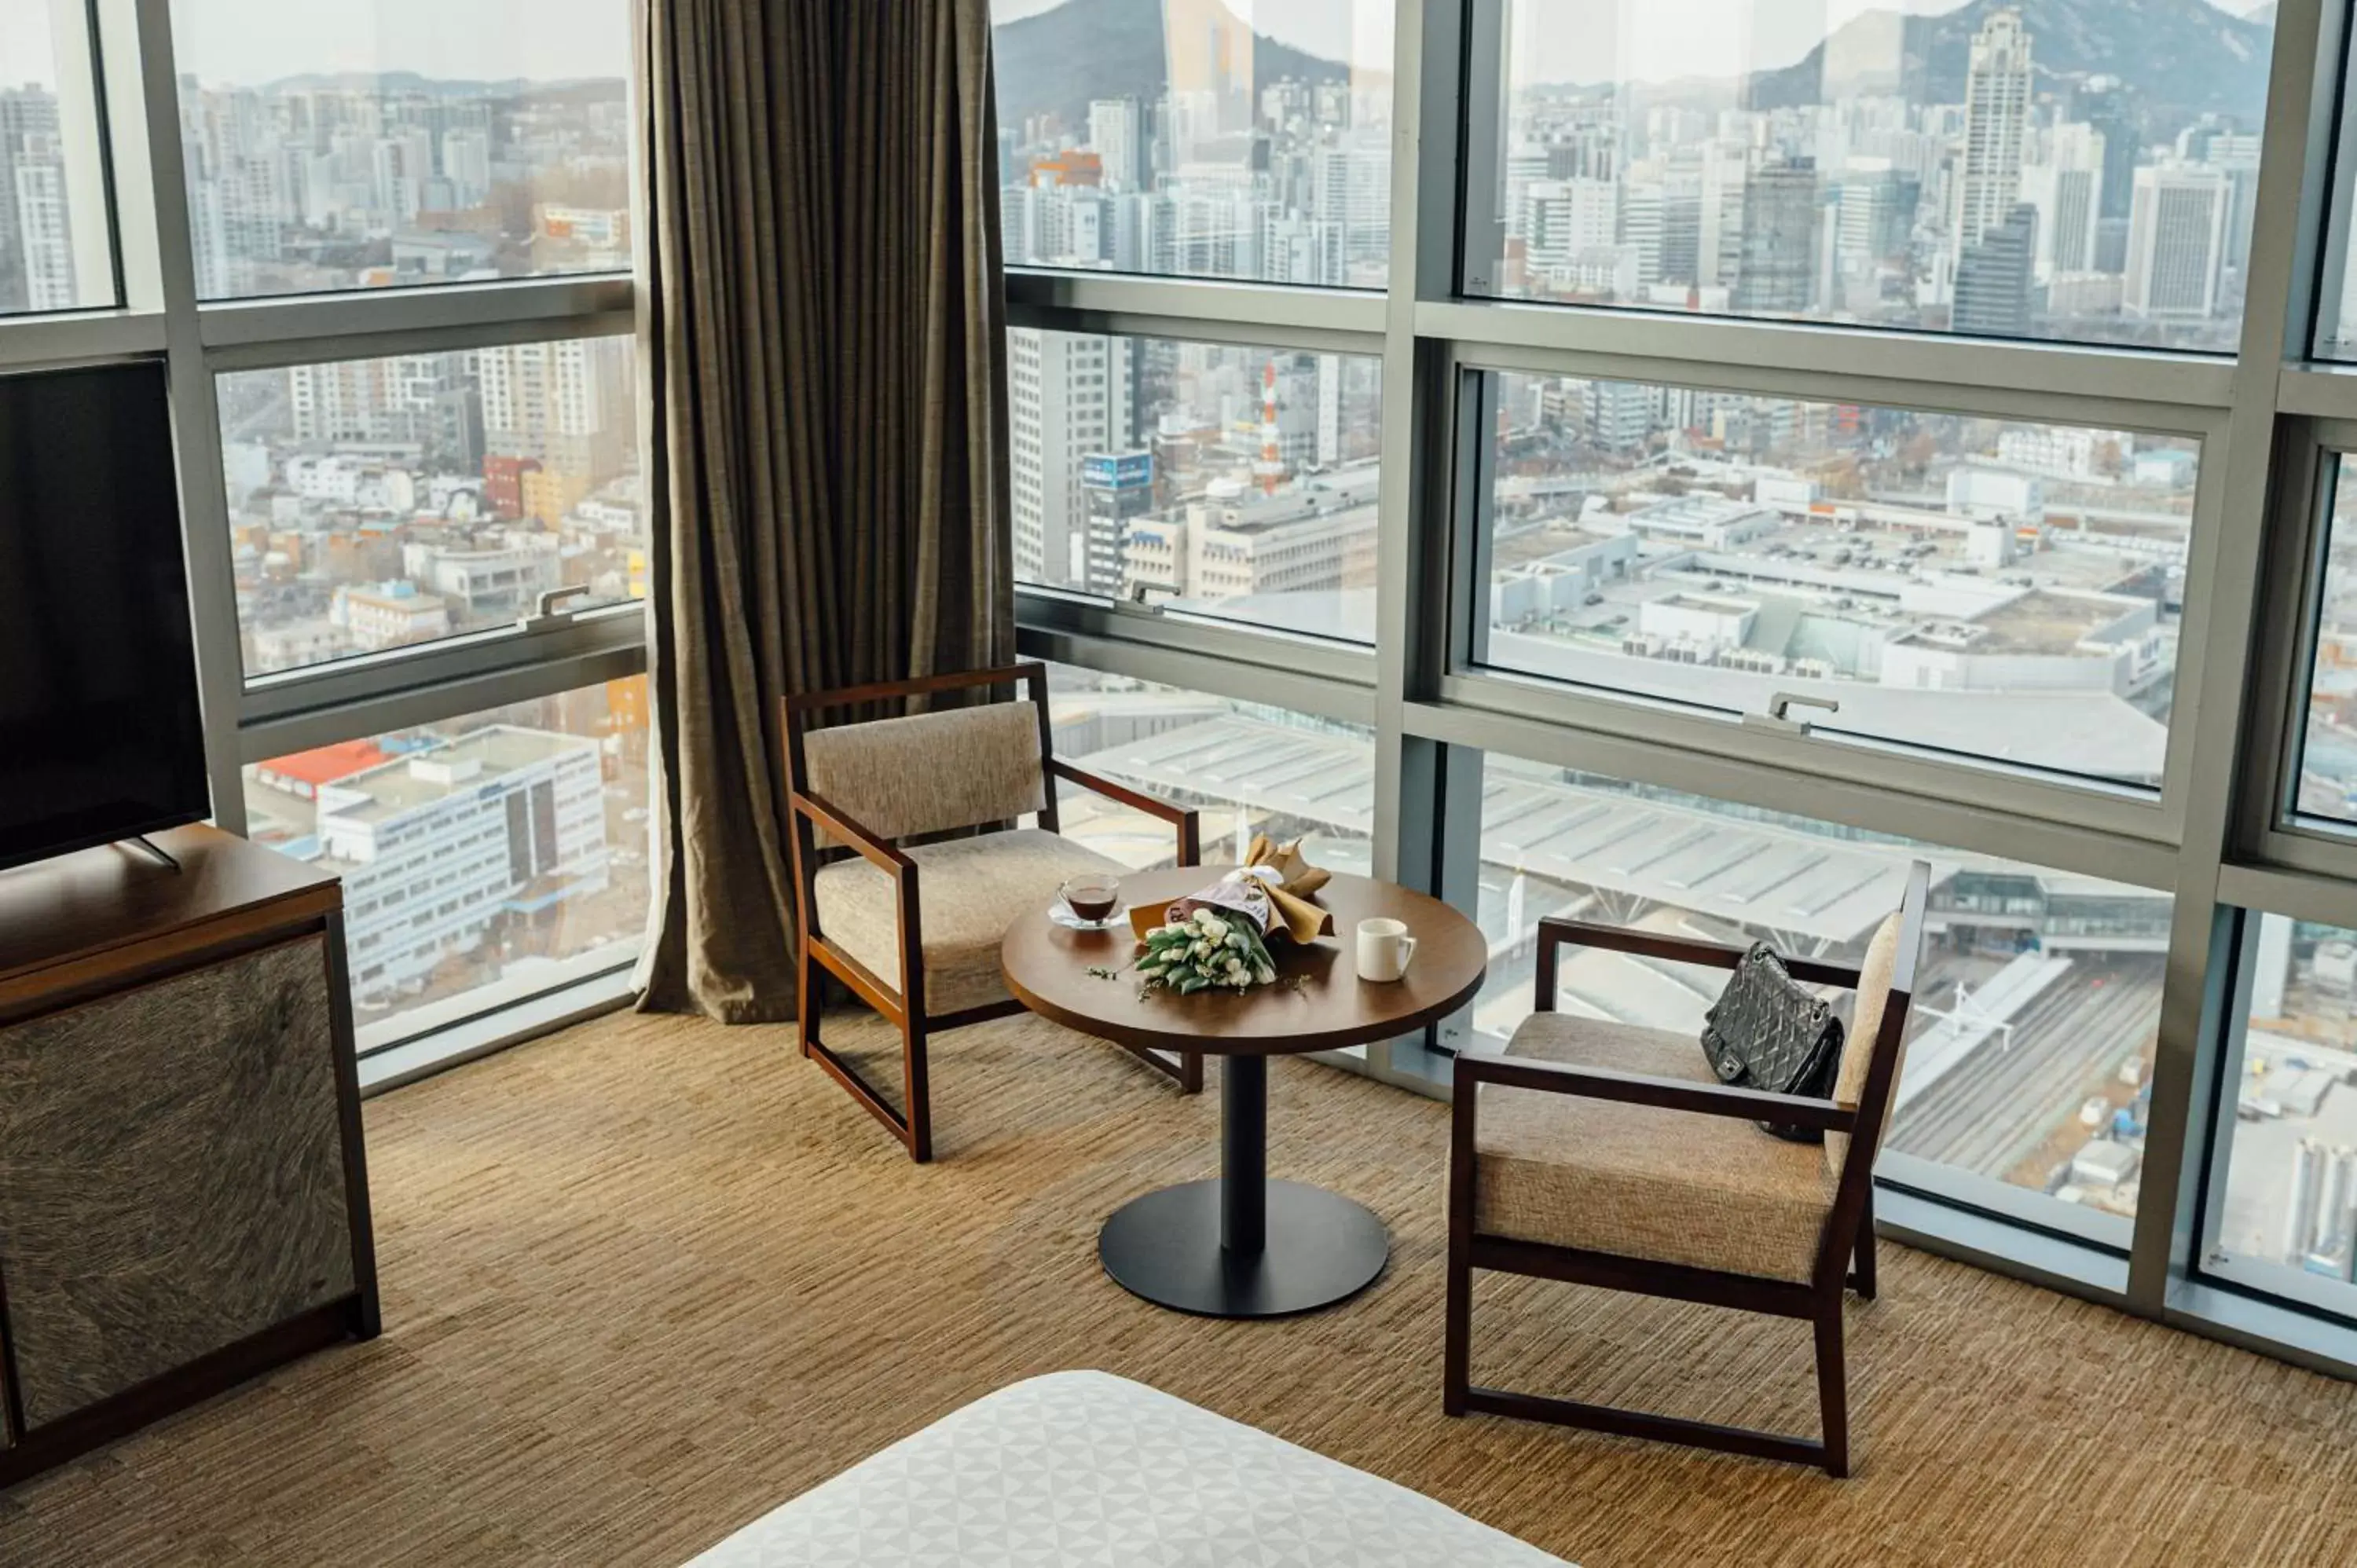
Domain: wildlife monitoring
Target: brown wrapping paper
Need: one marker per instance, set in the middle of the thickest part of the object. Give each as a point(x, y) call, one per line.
point(1290, 911)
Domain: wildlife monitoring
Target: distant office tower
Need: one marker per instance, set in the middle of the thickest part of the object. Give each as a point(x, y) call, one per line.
point(2067, 192)
point(1117, 136)
point(1778, 254)
point(1116, 487)
point(1350, 189)
point(2177, 242)
point(1997, 125)
point(1563, 218)
point(2104, 104)
point(466, 165)
point(1876, 212)
point(44, 239)
point(1992, 278)
point(1070, 394)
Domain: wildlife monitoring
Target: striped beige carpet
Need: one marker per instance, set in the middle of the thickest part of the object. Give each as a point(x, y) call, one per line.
point(647, 1280)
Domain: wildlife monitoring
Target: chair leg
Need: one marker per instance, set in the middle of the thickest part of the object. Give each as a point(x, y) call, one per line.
point(806, 997)
point(1456, 1352)
point(917, 1083)
point(1832, 1389)
point(1863, 1280)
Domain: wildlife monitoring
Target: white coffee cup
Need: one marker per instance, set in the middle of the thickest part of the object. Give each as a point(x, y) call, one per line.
point(1384, 949)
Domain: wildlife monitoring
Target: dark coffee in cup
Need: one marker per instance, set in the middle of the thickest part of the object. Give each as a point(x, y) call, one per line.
point(1091, 905)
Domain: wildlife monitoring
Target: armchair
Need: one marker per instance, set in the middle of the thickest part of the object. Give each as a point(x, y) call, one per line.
point(898, 900)
point(1561, 1166)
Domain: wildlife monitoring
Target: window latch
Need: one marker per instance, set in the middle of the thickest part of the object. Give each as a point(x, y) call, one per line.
point(1776, 718)
point(545, 614)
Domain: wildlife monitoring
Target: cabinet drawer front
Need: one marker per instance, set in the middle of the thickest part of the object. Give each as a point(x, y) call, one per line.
point(171, 1173)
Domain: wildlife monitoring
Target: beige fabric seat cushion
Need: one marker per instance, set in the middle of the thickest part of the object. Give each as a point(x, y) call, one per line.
point(1672, 1186)
point(968, 892)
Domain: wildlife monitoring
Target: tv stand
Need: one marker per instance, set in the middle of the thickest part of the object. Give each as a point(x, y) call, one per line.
point(183, 1196)
point(162, 856)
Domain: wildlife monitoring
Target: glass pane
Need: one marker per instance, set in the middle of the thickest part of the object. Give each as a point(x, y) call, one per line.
point(1244, 141)
point(1223, 481)
point(1249, 768)
point(486, 860)
point(370, 144)
point(57, 250)
point(377, 503)
point(2290, 1203)
point(2084, 173)
point(2326, 785)
point(2038, 1003)
point(2001, 592)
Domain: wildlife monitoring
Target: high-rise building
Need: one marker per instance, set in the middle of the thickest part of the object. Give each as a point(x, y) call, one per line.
point(1117, 137)
point(1997, 127)
point(2066, 191)
point(1994, 275)
point(1778, 268)
point(1117, 486)
point(2177, 242)
point(568, 403)
point(1070, 395)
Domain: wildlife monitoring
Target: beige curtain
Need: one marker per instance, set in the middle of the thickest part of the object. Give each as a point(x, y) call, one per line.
point(822, 351)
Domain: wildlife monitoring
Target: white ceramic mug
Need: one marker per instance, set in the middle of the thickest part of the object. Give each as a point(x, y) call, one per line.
point(1384, 949)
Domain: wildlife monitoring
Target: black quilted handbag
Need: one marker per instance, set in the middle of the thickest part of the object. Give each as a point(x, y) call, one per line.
point(1767, 1031)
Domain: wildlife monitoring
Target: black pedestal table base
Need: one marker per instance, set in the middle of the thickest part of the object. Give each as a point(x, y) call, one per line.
point(1244, 1246)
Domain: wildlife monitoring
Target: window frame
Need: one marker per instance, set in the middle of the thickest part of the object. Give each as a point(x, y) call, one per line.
point(1436, 711)
point(159, 317)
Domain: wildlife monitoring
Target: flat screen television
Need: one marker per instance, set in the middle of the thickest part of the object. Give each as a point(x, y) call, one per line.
point(100, 737)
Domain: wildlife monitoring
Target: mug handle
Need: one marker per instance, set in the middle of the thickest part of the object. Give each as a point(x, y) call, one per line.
point(1408, 951)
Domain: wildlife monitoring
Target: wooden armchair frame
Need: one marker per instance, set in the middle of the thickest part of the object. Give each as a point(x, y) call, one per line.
point(1847, 1237)
point(906, 1008)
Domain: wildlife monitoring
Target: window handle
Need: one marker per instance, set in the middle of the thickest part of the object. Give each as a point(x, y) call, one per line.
point(545, 614)
point(1776, 717)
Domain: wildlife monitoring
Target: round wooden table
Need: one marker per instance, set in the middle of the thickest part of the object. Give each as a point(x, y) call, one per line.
point(1242, 1245)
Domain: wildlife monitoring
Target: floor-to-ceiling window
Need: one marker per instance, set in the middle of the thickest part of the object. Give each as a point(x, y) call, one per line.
point(384, 252)
point(1678, 463)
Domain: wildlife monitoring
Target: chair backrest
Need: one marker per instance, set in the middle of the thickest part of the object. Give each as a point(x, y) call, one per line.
point(1875, 1049)
point(930, 772)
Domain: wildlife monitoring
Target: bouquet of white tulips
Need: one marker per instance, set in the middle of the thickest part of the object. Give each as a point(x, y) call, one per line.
point(1203, 950)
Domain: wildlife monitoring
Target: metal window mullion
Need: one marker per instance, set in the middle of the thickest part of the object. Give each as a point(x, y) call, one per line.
point(1605, 718)
point(279, 353)
point(196, 420)
point(57, 342)
point(1865, 381)
point(1196, 669)
point(1220, 304)
point(308, 317)
point(1090, 618)
point(396, 671)
point(1722, 774)
point(434, 701)
point(1194, 329)
point(1717, 344)
point(2213, 697)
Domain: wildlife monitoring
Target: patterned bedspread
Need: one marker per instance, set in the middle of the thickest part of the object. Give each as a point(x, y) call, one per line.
point(1080, 1468)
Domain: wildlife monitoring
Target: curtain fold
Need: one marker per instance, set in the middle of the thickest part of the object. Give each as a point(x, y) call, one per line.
point(822, 356)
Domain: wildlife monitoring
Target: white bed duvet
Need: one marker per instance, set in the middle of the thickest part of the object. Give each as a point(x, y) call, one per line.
point(1084, 1468)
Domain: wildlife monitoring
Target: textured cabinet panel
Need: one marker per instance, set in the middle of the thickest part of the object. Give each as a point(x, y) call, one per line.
point(171, 1175)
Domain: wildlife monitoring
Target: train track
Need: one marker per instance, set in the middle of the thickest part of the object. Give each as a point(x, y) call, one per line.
point(1998, 1105)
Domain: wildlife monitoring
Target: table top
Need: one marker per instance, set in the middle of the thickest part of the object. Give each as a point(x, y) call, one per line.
point(1047, 968)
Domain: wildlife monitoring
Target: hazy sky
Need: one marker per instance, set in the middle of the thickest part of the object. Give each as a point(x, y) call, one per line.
point(1588, 40)
point(261, 40)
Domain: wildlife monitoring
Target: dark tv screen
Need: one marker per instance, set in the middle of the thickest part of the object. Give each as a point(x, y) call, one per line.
point(99, 734)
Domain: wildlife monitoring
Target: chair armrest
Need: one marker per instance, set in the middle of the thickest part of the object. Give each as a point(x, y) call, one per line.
point(1183, 817)
point(865, 840)
point(1555, 931)
point(1638, 1088)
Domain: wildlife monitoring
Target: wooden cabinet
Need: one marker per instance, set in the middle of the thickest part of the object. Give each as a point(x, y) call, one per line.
point(183, 1196)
